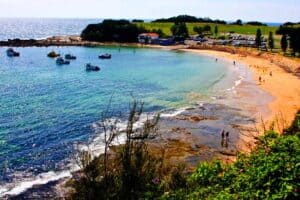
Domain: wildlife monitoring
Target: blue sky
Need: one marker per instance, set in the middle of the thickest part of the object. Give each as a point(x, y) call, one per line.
point(262, 10)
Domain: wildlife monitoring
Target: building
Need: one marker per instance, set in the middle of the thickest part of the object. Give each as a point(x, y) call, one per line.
point(148, 38)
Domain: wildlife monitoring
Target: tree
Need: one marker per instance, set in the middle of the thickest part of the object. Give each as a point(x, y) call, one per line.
point(238, 22)
point(199, 30)
point(206, 30)
point(294, 37)
point(284, 43)
point(271, 41)
point(216, 30)
point(258, 38)
point(180, 31)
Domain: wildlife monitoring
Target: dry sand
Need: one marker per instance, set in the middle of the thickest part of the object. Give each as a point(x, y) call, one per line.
point(282, 85)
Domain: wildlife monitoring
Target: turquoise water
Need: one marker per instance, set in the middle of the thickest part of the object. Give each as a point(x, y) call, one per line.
point(45, 108)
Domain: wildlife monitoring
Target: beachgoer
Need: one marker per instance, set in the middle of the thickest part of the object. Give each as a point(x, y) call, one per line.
point(259, 78)
point(271, 74)
point(216, 59)
point(223, 134)
point(233, 62)
point(227, 134)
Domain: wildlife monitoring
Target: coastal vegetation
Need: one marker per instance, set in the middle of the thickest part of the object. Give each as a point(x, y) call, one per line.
point(135, 171)
point(112, 31)
point(181, 27)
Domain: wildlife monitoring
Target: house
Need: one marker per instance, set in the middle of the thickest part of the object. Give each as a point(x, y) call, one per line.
point(148, 38)
point(167, 42)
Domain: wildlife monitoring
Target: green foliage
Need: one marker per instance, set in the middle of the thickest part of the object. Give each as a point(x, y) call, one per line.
point(284, 43)
point(294, 37)
point(202, 31)
point(271, 41)
point(258, 37)
point(255, 23)
point(216, 30)
point(294, 129)
point(112, 30)
point(223, 28)
point(238, 22)
point(188, 18)
point(179, 30)
point(271, 171)
point(130, 171)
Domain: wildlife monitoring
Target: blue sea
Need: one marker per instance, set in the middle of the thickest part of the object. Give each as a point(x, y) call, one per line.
point(49, 112)
point(46, 110)
point(40, 28)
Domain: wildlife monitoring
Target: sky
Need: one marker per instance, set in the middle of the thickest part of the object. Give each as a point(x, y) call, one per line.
point(230, 10)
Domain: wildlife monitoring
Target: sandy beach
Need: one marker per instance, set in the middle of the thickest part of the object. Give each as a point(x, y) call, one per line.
point(282, 85)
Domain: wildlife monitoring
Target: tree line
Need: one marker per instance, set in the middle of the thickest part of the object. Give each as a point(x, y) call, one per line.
point(189, 19)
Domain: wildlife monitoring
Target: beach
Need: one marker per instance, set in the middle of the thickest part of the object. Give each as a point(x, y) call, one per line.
point(282, 85)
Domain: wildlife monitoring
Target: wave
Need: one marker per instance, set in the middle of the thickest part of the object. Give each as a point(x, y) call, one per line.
point(236, 83)
point(41, 179)
point(95, 147)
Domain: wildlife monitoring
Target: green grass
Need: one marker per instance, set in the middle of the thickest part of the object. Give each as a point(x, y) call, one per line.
point(245, 29)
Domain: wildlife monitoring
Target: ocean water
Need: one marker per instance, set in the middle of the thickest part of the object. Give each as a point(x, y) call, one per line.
point(39, 28)
point(45, 109)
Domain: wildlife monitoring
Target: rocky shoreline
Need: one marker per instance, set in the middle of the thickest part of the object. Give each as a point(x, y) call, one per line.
point(58, 41)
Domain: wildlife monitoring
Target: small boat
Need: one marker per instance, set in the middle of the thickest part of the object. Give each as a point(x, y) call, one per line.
point(12, 53)
point(53, 54)
point(105, 56)
point(90, 67)
point(61, 61)
point(70, 57)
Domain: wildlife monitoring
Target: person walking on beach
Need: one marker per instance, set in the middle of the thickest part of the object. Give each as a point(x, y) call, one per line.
point(259, 78)
point(271, 74)
point(226, 139)
point(216, 59)
point(223, 136)
point(233, 62)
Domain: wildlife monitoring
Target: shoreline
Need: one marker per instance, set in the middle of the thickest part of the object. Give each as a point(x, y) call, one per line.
point(192, 147)
point(282, 86)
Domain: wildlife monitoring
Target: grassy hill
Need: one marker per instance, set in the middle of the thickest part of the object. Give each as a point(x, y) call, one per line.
point(223, 28)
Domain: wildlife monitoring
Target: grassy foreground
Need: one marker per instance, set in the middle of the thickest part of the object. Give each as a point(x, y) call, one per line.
point(223, 28)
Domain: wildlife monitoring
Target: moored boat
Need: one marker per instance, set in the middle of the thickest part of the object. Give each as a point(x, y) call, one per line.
point(105, 56)
point(53, 54)
point(70, 57)
point(61, 61)
point(90, 67)
point(12, 53)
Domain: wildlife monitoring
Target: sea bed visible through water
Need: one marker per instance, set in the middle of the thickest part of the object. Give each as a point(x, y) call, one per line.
point(48, 111)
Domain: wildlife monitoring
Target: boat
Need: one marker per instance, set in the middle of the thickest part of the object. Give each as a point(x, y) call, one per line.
point(90, 67)
point(53, 54)
point(12, 53)
point(61, 61)
point(70, 57)
point(105, 56)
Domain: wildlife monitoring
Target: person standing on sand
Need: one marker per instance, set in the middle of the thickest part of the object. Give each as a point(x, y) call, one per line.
point(259, 78)
point(271, 74)
point(233, 62)
point(216, 59)
point(223, 136)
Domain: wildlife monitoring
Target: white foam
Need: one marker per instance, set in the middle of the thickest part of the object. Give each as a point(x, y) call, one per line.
point(41, 179)
point(95, 147)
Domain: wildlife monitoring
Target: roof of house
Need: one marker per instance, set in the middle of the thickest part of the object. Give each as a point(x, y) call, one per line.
point(149, 34)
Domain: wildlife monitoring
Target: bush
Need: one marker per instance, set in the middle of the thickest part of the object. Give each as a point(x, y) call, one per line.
point(271, 171)
point(112, 31)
